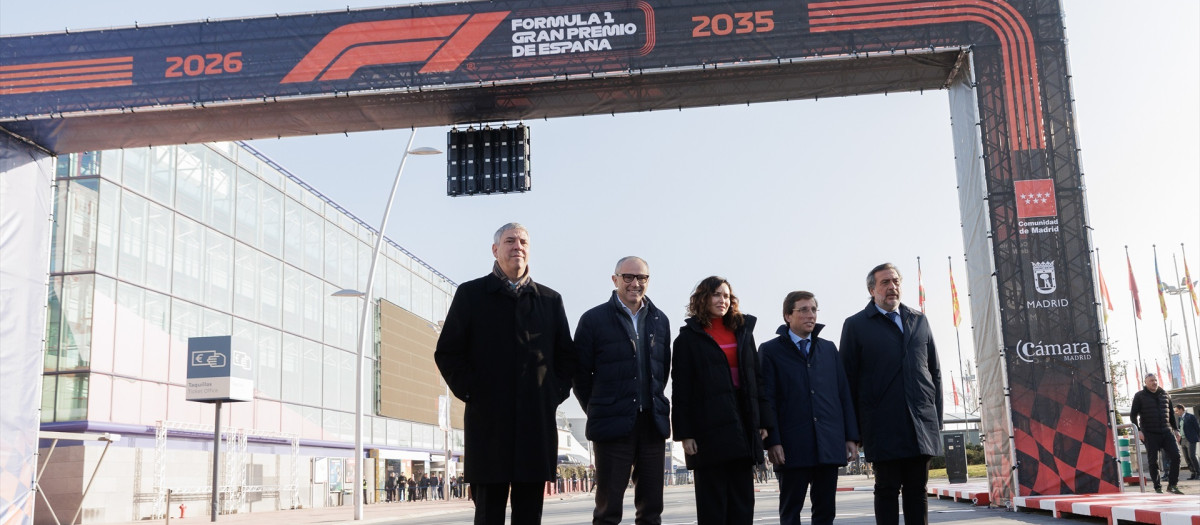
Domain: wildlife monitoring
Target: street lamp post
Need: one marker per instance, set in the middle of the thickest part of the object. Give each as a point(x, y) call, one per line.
point(359, 475)
point(444, 422)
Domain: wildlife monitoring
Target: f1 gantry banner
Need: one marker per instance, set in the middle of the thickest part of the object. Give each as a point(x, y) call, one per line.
point(1047, 407)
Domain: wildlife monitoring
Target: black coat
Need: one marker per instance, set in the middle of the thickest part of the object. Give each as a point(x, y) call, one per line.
point(896, 383)
point(1152, 411)
point(810, 398)
point(510, 358)
point(606, 383)
point(707, 407)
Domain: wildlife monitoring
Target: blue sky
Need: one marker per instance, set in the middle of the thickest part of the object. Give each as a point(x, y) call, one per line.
point(780, 196)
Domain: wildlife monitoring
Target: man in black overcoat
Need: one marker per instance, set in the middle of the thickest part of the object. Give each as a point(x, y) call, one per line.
point(506, 352)
point(892, 366)
point(624, 361)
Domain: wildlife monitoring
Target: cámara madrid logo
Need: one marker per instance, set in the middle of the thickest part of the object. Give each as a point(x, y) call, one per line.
point(1028, 350)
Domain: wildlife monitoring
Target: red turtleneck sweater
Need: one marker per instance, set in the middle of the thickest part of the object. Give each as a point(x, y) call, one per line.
point(728, 343)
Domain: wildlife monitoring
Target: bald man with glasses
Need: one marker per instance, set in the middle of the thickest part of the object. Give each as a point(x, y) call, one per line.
point(624, 350)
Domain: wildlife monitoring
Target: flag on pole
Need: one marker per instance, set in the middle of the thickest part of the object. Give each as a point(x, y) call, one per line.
point(1137, 303)
point(1162, 287)
point(1187, 276)
point(954, 299)
point(920, 286)
point(1108, 305)
point(954, 387)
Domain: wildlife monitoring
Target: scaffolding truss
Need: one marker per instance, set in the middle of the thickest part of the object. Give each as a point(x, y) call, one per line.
point(233, 488)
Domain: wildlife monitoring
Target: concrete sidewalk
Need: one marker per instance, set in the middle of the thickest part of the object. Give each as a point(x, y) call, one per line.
point(410, 512)
point(386, 513)
point(373, 514)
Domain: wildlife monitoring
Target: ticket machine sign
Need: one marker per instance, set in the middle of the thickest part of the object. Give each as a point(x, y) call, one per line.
point(220, 368)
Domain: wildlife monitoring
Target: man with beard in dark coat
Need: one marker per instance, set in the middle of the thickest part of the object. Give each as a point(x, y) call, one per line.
point(624, 361)
point(506, 351)
point(892, 366)
point(806, 389)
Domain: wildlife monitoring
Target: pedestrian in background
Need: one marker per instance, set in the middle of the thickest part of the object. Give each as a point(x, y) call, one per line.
point(1188, 437)
point(720, 415)
point(1152, 412)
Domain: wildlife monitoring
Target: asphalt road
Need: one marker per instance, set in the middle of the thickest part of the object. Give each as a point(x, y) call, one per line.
point(854, 508)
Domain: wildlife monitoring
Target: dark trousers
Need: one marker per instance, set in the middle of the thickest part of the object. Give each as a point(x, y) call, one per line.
point(492, 498)
point(1164, 441)
point(905, 478)
point(725, 494)
point(1189, 453)
point(642, 451)
point(794, 483)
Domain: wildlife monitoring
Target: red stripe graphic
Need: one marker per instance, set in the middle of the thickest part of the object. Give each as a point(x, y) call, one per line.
point(66, 75)
point(61, 80)
point(353, 46)
point(68, 63)
point(68, 71)
point(64, 87)
point(1021, 91)
point(650, 38)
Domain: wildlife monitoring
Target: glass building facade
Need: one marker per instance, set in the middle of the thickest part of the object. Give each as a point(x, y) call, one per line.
point(152, 246)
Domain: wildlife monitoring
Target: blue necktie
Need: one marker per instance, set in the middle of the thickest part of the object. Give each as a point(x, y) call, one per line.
point(803, 344)
point(895, 317)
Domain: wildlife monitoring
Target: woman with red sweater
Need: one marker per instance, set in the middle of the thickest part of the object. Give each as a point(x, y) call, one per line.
point(719, 412)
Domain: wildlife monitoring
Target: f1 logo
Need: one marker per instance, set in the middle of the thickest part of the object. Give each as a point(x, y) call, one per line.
point(442, 42)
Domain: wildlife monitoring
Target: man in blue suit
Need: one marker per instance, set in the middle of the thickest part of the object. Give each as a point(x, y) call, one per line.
point(892, 366)
point(806, 388)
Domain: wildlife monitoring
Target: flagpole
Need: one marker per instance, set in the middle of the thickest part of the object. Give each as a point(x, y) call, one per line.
point(1133, 298)
point(920, 286)
point(1103, 307)
point(1163, 308)
point(957, 338)
point(1187, 276)
point(1187, 335)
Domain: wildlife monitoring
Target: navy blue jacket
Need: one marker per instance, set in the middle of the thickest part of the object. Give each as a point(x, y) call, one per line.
point(896, 383)
point(1191, 427)
point(606, 382)
point(814, 413)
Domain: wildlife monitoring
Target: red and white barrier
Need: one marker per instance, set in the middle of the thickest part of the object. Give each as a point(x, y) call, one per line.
point(1154, 509)
point(973, 492)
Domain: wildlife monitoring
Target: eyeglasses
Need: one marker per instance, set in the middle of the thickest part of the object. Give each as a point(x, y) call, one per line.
point(805, 310)
point(629, 277)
